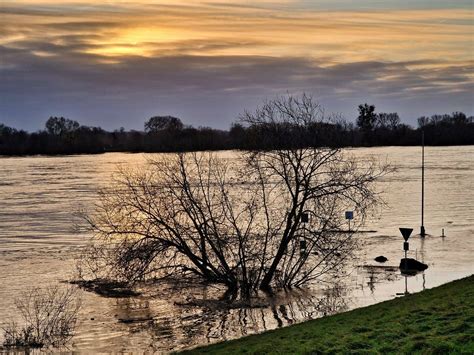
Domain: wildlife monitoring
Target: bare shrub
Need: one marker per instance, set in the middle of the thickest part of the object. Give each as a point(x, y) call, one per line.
point(270, 218)
point(48, 316)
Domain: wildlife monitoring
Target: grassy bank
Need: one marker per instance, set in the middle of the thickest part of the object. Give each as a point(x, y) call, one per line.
point(436, 321)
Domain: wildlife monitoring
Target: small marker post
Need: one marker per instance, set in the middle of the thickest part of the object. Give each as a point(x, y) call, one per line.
point(304, 220)
point(349, 215)
point(422, 228)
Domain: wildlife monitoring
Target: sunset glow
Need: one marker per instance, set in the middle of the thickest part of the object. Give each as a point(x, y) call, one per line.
point(431, 42)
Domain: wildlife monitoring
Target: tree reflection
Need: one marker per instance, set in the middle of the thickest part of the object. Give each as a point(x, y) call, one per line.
point(210, 320)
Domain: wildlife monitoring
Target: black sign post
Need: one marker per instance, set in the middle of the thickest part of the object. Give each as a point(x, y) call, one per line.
point(406, 232)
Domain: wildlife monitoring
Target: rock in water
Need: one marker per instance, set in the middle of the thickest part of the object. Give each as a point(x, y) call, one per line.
point(410, 264)
point(381, 259)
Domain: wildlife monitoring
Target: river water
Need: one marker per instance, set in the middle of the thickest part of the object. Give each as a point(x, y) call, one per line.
point(39, 244)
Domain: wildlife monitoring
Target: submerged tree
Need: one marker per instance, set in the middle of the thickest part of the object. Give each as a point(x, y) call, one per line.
point(263, 219)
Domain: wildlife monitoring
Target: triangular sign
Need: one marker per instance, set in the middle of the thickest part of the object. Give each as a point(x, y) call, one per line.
point(406, 232)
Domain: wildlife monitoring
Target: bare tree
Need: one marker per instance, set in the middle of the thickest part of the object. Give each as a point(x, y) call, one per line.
point(261, 219)
point(388, 120)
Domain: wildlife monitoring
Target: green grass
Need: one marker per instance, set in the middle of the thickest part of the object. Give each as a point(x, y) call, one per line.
point(435, 321)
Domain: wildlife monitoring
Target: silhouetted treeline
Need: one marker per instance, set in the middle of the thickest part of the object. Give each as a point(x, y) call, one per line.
point(64, 136)
point(383, 129)
point(167, 134)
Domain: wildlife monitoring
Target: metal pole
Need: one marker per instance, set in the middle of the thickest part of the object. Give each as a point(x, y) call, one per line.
point(422, 229)
point(406, 260)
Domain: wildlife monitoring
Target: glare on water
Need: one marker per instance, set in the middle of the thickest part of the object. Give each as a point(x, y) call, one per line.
point(38, 245)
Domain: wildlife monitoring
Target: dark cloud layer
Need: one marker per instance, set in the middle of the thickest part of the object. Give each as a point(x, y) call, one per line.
point(211, 90)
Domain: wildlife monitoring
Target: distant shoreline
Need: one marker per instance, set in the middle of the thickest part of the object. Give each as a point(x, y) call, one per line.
point(3, 155)
point(166, 134)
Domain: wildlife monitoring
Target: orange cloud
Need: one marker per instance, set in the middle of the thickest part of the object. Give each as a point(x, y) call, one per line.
point(149, 29)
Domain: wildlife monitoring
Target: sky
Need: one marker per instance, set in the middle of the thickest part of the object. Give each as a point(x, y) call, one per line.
point(116, 63)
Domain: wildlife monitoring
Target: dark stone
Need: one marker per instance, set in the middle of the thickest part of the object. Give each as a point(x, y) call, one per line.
point(381, 259)
point(409, 264)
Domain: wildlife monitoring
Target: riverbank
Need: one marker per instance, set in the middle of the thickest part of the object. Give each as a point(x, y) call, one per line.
point(435, 321)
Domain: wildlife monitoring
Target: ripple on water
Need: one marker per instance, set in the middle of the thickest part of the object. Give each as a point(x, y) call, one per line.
point(38, 246)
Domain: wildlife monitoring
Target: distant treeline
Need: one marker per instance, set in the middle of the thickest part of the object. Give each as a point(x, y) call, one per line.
point(169, 134)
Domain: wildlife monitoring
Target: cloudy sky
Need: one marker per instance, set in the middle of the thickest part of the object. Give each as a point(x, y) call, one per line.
point(116, 63)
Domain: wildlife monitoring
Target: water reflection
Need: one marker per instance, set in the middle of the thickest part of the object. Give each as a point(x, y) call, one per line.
point(378, 274)
point(213, 320)
point(406, 277)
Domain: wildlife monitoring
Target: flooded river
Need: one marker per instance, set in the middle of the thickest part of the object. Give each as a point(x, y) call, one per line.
point(39, 244)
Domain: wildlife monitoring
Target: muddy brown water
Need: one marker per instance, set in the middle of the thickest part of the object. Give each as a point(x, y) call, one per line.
point(38, 246)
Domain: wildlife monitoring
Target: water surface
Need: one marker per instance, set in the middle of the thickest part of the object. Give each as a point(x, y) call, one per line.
point(39, 244)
